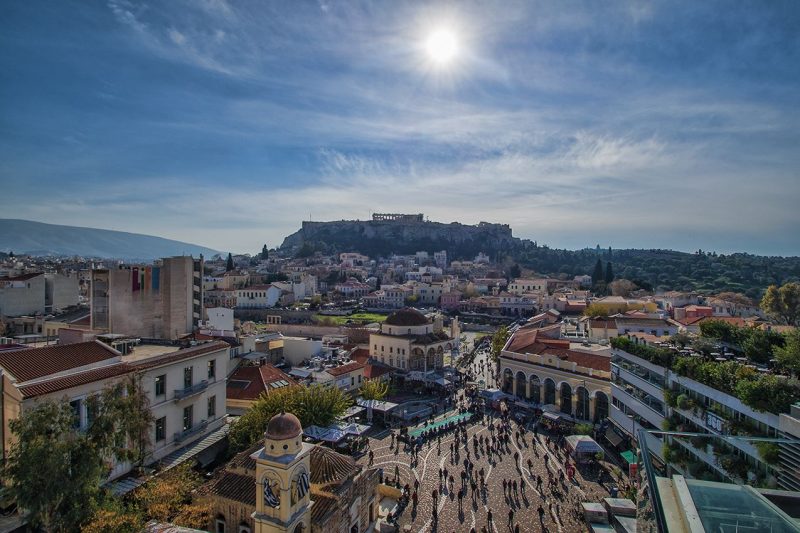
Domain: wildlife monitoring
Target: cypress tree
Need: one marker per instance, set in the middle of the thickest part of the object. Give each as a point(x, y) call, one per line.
point(597, 275)
point(609, 273)
point(229, 265)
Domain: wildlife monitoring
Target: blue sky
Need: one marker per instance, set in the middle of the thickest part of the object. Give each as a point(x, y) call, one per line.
point(226, 123)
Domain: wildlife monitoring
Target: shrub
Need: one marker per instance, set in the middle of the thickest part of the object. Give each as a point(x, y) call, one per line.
point(769, 452)
point(683, 401)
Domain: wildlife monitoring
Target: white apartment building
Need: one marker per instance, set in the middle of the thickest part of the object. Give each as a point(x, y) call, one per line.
point(185, 387)
point(258, 297)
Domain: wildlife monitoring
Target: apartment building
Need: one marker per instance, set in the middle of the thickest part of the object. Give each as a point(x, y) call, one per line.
point(160, 301)
point(648, 395)
point(37, 293)
point(185, 386)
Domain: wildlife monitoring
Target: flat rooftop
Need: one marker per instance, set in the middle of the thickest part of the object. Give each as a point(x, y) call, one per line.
point(146, 351)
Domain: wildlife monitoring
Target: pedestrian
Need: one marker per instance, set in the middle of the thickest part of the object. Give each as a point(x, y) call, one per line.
point(414, 499)
point(371, 457)
point(522, 484)
point(489, 517)
point(515, 486)
point(505, 486)
point(541, 513)
point(510, 515)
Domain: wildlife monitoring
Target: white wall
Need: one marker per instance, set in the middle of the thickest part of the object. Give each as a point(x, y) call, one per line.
point(295, 350)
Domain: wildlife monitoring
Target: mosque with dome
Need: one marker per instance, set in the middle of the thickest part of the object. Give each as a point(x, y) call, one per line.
point(408, 340)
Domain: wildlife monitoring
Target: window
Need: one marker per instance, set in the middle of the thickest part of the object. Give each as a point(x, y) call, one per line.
point(359, 378)
point(76, 413)
point(161, 385)
point(220, 526)
point(187, 417)
point(187, 377)
point(212, 369)
point(212, 407)
point(161, 429)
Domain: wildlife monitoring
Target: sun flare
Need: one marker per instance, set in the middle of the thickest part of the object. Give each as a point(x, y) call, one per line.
point(441, 46)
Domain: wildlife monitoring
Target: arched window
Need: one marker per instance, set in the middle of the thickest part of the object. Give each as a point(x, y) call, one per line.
point(566, 398)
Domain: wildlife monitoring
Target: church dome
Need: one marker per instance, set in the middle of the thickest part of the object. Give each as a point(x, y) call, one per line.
point(283, 426)
point(406, 317)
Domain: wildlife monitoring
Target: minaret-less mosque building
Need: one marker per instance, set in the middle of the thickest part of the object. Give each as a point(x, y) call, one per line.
point(283, 485)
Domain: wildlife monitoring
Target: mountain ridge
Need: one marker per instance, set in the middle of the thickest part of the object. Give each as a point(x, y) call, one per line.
point(40, 238)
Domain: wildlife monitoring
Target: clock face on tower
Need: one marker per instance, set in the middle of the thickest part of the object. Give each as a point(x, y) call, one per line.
point(272, 492)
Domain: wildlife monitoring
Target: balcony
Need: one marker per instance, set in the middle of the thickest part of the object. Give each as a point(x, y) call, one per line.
point(197, 388)
point(180, 436)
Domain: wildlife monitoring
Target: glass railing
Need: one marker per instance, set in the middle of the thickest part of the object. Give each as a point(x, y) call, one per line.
point(180, 394)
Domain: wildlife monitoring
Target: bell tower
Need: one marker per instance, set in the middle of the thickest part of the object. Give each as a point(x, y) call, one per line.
point(283, 483)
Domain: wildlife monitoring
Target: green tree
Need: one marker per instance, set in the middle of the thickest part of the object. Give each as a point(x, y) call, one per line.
point(609, 273)
point(373, 389)
point(788, 355)
point(499, 340)
point(48, 440)
point(305, 251)
point(757, 346)
point(54, 471)
point(598, 275)
point(595, 311)
point(514, 271)
point(264, 253)
point(315, 405)
point(229, 264)
point(783, 303)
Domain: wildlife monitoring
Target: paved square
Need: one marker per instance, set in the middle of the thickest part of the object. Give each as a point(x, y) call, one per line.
point(559, 501)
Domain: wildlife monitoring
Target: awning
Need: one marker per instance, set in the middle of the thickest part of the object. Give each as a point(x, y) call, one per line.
point(353, 410)
point(613, 437)
point(552, 416)
point(629, 456)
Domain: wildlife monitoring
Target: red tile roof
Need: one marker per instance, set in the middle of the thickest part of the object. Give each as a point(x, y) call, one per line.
point(34, 363)
point(529, 341)
point(258, 379)
point(372, 371)
point(344, 369)
point(584, 359)
point(73, 380)
point(361, 355)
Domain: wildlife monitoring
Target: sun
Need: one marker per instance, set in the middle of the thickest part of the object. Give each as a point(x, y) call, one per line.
point(441, 46)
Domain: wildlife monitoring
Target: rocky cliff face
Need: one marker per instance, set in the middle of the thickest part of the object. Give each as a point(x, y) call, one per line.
point(373, 238)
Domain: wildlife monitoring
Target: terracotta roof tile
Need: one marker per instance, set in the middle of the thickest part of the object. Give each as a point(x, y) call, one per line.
point(73, 380)
point(34, 363)
point(372, 371)
point(584, 359)
point(237, 487)
point(328, 466)
point(257, 379)
point(344, 369)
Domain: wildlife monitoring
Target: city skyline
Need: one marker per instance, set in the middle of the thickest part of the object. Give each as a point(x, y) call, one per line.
point(635, 125)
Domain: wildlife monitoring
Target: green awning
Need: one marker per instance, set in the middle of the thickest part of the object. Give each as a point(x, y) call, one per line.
point(629, 456)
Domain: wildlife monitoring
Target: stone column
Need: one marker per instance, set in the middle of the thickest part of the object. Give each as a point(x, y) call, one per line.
point(527, 389)
point(558, 397)
point(514, 384)
point(591, 407)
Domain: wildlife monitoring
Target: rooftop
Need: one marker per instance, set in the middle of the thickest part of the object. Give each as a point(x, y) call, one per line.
point(33, 363)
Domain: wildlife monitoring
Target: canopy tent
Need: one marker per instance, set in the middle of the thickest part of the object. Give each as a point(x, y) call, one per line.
point(443, 382)
point(376, 405)
point(350, 428)
point(329, 434)
point(582, 446)
point(353, 410)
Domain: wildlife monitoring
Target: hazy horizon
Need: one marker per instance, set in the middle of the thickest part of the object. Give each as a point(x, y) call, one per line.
point(640, 124)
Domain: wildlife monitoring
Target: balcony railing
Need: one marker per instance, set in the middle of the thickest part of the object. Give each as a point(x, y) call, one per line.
point(180, 436)
point(197, 388)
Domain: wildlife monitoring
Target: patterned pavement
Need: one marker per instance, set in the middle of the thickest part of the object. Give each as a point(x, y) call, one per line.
point(559, 501)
